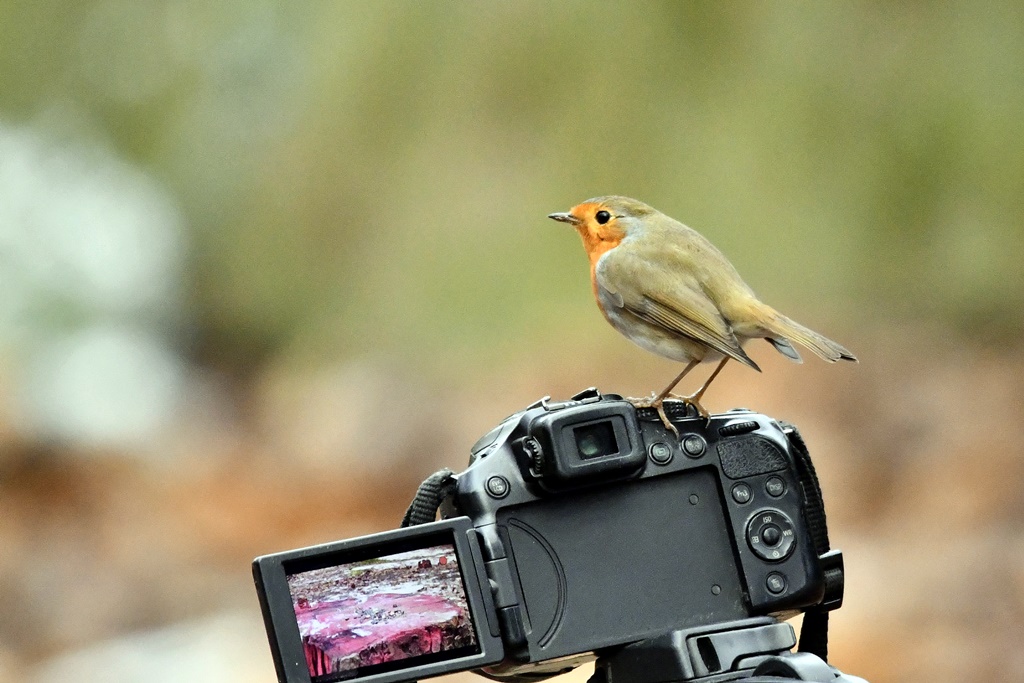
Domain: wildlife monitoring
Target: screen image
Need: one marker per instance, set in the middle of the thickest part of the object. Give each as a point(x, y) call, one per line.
point(382, 614)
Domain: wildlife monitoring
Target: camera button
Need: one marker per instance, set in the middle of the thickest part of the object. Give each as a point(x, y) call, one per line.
point(741, 493)
point(693, 446)
point(497, 487)
point(775, 486)
point(661, 453)
point(776, 583)
point(771, 534)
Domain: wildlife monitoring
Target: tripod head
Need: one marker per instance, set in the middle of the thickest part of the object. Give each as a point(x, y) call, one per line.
point(755, 650)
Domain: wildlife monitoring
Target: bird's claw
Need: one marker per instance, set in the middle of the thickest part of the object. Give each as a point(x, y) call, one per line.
point(648, 402)
point(692, 400)
point(664, 419)
point(659, 406)
point(701, 410)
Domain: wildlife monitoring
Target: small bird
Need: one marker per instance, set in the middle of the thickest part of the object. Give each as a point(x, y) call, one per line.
point(669, 290)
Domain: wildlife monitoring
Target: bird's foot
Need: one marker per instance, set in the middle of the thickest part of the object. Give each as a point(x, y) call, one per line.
point(692, 400)
point(695, 402)
point(659, 405)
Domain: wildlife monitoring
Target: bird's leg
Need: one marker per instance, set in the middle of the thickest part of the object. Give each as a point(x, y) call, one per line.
point(694, 399)
point(658, 402)
point(672, 385)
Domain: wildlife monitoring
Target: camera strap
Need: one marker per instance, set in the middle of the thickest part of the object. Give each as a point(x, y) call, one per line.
point(814, 631)
point(423, 508)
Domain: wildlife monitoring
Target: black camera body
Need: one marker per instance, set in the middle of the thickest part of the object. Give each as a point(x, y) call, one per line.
point(599, 528)
point(578, 527)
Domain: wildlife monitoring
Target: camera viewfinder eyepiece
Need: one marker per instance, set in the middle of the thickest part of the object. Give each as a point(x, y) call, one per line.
point(580, 444)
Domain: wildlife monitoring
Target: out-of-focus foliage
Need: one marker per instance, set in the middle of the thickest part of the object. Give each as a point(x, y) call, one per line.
point(376, 175)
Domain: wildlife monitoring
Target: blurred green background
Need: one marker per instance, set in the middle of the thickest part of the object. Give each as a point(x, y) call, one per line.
point(250, 248)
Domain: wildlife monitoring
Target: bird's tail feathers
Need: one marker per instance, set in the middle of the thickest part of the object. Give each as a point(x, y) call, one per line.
point(791, 331)
point(785, 348)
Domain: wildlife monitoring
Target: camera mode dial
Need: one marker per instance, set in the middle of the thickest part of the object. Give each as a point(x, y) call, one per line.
point(771, 535)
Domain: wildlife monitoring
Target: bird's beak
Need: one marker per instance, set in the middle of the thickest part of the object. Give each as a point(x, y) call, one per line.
point(564, 218)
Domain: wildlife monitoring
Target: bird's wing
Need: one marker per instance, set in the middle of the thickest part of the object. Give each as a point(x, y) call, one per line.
point(667, 297)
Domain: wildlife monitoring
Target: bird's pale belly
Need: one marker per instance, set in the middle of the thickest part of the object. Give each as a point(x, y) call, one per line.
point(656, 339)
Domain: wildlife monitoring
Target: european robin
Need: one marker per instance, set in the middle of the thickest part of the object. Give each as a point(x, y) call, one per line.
point(669, 290)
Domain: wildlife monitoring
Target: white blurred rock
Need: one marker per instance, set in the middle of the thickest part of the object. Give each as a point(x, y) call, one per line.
point(104, 385)
point(222, 648)
point(92, 249)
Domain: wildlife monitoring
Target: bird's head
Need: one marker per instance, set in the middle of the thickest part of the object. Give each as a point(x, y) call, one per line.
point(604, 220)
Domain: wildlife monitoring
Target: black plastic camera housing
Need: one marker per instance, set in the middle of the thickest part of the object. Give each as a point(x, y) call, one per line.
point(578, 527)
point(588, 547)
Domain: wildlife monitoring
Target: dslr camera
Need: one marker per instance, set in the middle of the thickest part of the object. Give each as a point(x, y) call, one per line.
point(582, 528)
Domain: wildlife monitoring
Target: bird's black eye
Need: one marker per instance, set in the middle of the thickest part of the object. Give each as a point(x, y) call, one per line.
point(603, 217)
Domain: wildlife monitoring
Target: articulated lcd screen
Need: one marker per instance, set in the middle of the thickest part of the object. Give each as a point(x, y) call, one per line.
point(382, 614)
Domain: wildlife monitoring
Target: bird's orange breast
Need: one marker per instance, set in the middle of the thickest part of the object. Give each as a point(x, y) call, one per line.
point(596, 247)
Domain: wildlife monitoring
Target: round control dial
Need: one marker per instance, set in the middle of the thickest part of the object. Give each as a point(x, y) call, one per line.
point(771, 535)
